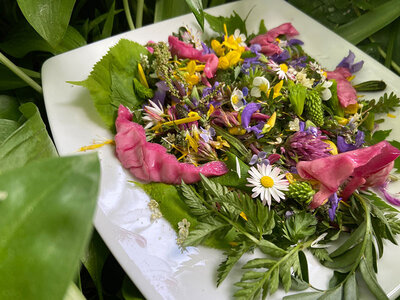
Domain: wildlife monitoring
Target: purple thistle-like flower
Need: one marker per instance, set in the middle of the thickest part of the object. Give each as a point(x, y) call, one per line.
point(303, 145)
point(343, 146)
point(348, 62)
point(334, 202)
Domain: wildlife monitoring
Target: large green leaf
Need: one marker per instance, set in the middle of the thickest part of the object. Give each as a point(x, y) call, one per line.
point(49, 18)
point(364, 26)
point(111, 81)
point(8, 80)
point(24, 40)
point(166, 9)
point(197, 9)
point(29, 142)
point(9, 108)
point(45, 221)
point(6, 128)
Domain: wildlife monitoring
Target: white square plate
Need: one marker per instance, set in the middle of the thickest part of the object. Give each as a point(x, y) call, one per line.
point(147, 250)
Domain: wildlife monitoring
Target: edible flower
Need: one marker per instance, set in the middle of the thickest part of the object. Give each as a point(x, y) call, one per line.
point(248, 112)
point(153, 114)
point(260, 84)
point(355, 169)
point(268, 183)
point(343, 146)
point(270, 124)
point(260, 158)
point(237, 99)
point(346, 93)
point(348, 62)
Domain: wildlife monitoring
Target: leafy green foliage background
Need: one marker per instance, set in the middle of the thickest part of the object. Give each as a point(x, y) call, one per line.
point(32, 31)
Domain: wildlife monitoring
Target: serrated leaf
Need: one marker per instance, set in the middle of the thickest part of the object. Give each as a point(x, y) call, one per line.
point(274, 281)
point(271, 249)
point(370, 279)
point(193, 201)
point(321, 254)
point(232, 23)
point(251, 275)
point(213, 189)
point(355, 237)
point(232, 257)
point(299, 226)
point(260, 263)
point(201, 232)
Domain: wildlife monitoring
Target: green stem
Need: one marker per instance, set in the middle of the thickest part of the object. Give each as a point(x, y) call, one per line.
point(128, 14)
point(139, 13)
point(9, 64)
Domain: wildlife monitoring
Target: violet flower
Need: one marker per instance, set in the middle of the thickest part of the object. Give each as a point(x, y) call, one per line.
point(299, 62)
point(293, 42)
point(387, 195)
point(259, 158)
point(281, 57)
point(257, 129)
point(348, 62)
point(207, 135)
point(334, 201)
point(344, 147)
point(159, 95)
point(247, 112)
point(209, 90)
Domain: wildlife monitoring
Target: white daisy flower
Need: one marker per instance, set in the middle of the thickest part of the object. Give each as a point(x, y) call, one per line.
point(240, 38)
point(260, 84)
point(153, 114)
point(301, 77)
point(237, 100)
point(268, 183)
point(281, 70)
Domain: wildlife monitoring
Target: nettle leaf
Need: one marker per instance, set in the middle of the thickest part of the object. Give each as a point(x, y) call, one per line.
point(45, 223)
point(49, 18)
point(111, 81)
point(299, 226)
point(232, 23)
point(29, 142)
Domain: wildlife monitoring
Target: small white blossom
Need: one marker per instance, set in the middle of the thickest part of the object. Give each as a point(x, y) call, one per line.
point(294, 125)
point(183, 231)
point(155, 211)
point(326, 93)
point(301, 77)
point(240, 38)
point(260, 84)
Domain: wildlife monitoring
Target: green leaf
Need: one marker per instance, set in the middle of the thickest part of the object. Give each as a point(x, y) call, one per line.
point(196, 7)
point(45, 222)
point(232, 23)
point(274, 281)
point(385, 104)
point(24, 40)
point(232, 257)
point(355, 238)
point(108, 25)
point(130, 291)
point(271, 249)
point(362, 27)
point(171, 204)
point(304, 296)
point(332, 294)
point(94, 259)
point(303, 266)
point(299, 226)
point(379, 136)
point(261, 28)
point(8, 80)
point(9, 108)
point(350, 288)
point(370, 279)
point(260, 263)
point(166, 9)
point(345, 261)
point(141, 90)
point(74, 293)
point(201, 232)
point(29, 142)
point(110, 82)
point(193, 201)
point(7, 127)
point(397, 161)
point(321, 254)
point(297, 97)
point(49, 18)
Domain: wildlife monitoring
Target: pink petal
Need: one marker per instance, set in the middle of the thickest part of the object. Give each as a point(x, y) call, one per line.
point(149, 161)
point(183, 50)
point(211, 66)
point(364, 167)
point(346, 93)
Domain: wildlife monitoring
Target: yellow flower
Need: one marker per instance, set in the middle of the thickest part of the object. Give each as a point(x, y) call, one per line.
point(270, 124)
point(220, 143)
point(277, 89)
point(218, 48)
point(351, 109)
point(192, 141)
point(332, 145)
point(229, 60)
point(142, 77)
point(237, 130)
point(190, 75)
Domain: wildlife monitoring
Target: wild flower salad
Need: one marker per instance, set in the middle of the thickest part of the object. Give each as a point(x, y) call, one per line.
point(246, 142)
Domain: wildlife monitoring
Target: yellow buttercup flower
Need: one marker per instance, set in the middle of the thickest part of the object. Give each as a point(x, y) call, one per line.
point(218, 48)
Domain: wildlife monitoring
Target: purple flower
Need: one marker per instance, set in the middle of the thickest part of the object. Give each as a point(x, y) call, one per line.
point(207, 135)
point(334, 201)
point(281, 57)
point(209, 90)
point(293, 42)
point(312, 130)
point(343, 146)
point(259, 158)
point(247, 113)
point(389, 197)
point(206, 49)
point(303, 145)
point(348, 62)
point(302, 125)
point(299, 62)
point(245, 91)
point(159, 95)
point(257, 129)
point(255, 48)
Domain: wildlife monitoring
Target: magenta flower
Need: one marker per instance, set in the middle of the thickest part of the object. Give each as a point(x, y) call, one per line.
point(267, 41)
point(150, 162)
point(346, 93)
point(361, 168)
point(305, 145)
point(183, 50)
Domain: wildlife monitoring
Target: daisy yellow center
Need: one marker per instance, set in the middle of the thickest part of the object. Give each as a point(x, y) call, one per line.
point(264, 87)
point(283, 67)
point(267, 181)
